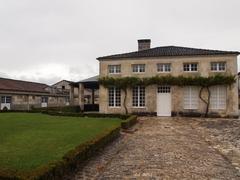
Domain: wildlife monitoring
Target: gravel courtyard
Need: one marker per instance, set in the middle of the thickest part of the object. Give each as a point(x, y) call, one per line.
point(170, 148)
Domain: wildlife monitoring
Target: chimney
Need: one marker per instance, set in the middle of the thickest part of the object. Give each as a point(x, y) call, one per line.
point(144, 44)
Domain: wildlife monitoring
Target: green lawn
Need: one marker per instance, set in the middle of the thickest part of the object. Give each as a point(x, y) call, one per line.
point(29, 140)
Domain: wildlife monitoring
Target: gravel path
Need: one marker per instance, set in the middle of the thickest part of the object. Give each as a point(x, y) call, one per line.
point(161, 148)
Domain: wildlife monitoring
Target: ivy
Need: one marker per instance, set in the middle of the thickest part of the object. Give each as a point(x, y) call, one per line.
point(128, 82)
point(203, 82)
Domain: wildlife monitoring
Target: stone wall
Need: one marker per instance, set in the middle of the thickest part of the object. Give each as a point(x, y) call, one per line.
point(25, 102)
point(177, 92)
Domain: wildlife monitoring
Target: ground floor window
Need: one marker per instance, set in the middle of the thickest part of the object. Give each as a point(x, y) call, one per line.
point(190, 97)
point(218, 97)
point(6, 99)
point(45, 99)
point(138, 96)
point(114, 97)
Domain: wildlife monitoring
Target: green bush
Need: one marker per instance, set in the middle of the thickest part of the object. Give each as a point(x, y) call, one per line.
point(132, 120)
point(69, 162)
point(73, 109)
point(96, 115)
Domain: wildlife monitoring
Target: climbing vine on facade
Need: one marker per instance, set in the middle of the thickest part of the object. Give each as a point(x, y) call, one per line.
point(203, 82)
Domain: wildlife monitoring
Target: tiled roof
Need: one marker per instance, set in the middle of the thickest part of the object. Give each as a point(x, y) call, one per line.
point(91, 79)
point(23, 86)
point(169, 51)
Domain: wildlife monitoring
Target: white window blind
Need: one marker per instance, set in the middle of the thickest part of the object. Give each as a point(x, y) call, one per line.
point(190, 100)
point(218, 97)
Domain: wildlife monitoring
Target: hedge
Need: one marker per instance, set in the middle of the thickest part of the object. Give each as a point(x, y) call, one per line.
point(73, 159)
point(73, 109)
point(132, 120)
point(94, 115)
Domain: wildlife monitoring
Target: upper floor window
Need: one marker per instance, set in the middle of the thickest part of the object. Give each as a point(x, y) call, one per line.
point(164, 67)
point(114, 69)
point(218, 66)
point(191, 67)
point(138, 68)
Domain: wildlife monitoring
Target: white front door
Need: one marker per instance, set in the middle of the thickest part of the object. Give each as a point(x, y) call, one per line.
point(164, 106)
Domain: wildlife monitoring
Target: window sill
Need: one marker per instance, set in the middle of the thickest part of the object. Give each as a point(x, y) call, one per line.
point(138, 107)
point(190, 71)
point(218, 71)
point(113, 73)
point(116, 107)
point(162, 72)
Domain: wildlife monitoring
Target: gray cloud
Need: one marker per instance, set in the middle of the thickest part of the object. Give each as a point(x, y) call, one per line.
point(59, 39)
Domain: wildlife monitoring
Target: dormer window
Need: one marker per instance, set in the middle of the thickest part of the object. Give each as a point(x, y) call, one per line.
point(138, 68)
point(218, 66)
point(190, 67)
point(114, 69)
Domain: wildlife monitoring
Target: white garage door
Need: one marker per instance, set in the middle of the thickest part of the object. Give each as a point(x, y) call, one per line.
point(164, 101)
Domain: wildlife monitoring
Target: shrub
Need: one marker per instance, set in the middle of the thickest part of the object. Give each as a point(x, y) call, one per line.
point(132, 120)
point(96, 115)
point(73, 109)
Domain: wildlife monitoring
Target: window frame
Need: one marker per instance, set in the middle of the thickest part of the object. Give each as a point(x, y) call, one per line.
point(139, 99)
point(188, 102)
point(6, 99)
point(138, 67)
point(44, 99)
point(190, 67)
point(218, 66)
point(116, 97)
point(116, 69)
point(164, 65)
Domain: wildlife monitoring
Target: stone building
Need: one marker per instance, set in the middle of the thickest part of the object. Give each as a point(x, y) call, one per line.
point(23, 95)
point(166, 100)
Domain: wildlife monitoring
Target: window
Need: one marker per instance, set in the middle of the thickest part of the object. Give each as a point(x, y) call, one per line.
point(190, 67)
point(166, 67)
point(114, 69)
point(164, 89)
point(114, 97)
point(138, 68)
point(218, 66)
point(44, 99)
point(6, 99)
point(63, 87)
point(67, 99)
point(218, 97)
point(190, 97)
point(138, 96)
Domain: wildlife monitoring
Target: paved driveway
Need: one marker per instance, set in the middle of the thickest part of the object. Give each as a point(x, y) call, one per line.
point(161, 148)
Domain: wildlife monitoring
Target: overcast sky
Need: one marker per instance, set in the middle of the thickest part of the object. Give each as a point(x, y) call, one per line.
point(50, 40)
